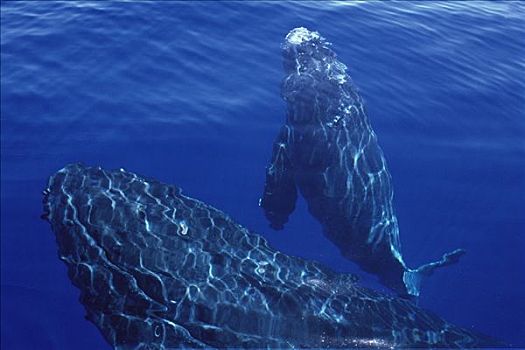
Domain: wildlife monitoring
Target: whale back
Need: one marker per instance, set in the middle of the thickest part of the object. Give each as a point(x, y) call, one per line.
point(157, 270)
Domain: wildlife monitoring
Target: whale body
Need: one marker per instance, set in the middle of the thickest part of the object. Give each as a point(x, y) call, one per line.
point(159, 270)
point(328, 151)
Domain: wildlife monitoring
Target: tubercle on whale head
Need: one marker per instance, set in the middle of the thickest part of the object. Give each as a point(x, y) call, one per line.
point(300, 35)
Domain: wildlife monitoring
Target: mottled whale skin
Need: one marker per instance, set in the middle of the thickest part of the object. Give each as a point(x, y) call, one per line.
point(159, 270)
point(328, 151)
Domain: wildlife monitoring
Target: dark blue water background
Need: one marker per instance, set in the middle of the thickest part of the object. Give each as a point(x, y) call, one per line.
point(189, 93)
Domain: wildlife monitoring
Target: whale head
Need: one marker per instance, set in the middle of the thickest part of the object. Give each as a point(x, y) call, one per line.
point(316, 86)
point(306, 52)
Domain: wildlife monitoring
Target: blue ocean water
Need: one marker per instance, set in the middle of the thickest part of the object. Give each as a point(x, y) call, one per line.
point(189, 93)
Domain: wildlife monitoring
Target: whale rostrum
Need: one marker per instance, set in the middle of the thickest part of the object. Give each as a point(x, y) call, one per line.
point(159, 270)
point(328, 152)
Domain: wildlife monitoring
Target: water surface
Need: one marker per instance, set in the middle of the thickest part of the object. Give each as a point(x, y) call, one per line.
point(189, 93)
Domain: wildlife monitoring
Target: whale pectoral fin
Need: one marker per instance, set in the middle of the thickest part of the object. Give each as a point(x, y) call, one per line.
point(412, 278)
point(280, 192)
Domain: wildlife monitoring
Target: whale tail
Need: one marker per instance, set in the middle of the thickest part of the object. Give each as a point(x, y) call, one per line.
point(412, 277)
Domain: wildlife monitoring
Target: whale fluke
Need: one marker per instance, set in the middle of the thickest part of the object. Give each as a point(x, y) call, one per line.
point(413, 277)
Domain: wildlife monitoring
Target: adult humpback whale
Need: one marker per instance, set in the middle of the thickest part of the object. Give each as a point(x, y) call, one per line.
point(328, 150)
point(159, 270)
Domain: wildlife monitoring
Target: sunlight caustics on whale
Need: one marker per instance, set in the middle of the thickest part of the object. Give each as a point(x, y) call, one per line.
point(328, 151)
point(158, 270)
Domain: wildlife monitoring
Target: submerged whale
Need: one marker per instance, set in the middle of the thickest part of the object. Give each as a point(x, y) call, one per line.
point(159, 270)
point(328, 151)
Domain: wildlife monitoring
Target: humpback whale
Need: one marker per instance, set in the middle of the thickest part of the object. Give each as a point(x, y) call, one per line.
point(159, 270)
point(328, 151)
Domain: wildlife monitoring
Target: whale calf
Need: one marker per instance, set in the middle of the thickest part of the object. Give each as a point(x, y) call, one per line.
point(328, 151)
point(159, 270)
